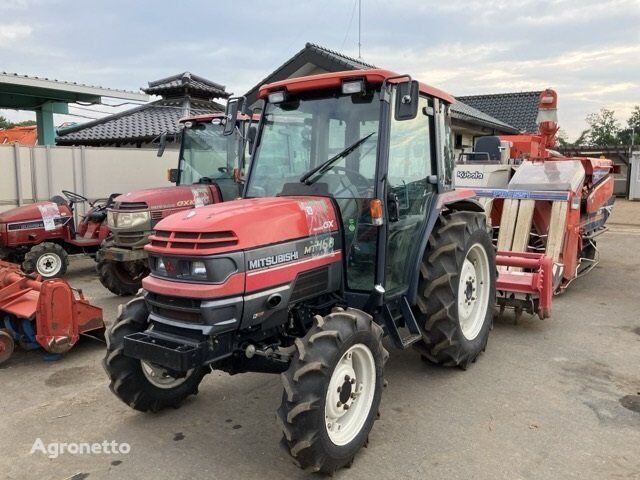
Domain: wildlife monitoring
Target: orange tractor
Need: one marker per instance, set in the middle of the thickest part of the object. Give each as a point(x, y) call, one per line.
point(539, 202)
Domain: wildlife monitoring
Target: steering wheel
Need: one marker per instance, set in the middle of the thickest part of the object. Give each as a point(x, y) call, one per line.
point(74, 197)
point(356, 178)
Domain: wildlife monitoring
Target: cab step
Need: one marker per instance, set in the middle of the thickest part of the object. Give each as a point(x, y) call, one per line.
point(401, 324)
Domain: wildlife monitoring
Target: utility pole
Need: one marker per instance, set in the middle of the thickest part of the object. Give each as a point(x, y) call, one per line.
point(359, 29)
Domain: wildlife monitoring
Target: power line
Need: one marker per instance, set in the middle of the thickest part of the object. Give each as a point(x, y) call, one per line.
point(346, 34)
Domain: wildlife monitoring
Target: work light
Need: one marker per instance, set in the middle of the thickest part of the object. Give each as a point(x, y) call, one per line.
point(352, 86)
point(277, 97)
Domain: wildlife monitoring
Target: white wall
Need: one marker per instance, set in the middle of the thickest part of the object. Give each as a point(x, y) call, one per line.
point(29, 174)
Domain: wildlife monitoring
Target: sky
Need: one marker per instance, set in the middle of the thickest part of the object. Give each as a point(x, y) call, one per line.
point(587, 50)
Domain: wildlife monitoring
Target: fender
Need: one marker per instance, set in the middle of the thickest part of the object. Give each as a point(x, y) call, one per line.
point(461, 199)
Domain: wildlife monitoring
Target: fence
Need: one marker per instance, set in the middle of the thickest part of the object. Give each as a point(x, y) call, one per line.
point(31, 174)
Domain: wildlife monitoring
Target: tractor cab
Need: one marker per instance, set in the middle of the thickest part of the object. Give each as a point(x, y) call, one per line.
point(378, 145)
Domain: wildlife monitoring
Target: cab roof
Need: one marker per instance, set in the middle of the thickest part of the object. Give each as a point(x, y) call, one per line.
point(207, 117)
point(334, 80)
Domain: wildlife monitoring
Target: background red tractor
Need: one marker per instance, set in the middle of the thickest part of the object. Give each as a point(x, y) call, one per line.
point(209, 171)
point(42, 235)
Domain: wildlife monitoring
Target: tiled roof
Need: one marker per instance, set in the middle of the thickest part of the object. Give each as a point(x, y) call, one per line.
point(187, 83)
point(311, 53)
point(140, 124)
point(463, 111)
point(517, 109)
point(333, 61)
point(26, 135)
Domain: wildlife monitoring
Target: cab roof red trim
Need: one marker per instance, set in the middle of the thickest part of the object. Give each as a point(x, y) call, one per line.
point(335, 79)
point(207, 117)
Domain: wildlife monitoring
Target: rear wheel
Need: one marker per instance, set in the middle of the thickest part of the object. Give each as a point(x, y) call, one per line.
point(142, 385)
point(332, 390)
point(122, 278)
point(49, 260)
point(456, 291)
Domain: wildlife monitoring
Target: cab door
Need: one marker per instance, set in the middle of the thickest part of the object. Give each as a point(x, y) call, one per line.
point(410, 193)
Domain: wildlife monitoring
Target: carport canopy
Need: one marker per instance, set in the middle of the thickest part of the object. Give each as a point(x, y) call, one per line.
point(46, 97)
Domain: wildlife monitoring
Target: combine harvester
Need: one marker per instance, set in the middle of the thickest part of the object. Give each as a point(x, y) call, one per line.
point(42, 313)
point(543, 207)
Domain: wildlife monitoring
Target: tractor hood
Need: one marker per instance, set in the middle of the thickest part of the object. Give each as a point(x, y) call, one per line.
point(163, 198)
point(34, 212)
point(243, 225)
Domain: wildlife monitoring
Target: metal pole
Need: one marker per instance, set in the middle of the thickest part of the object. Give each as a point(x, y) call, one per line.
point(359, 28)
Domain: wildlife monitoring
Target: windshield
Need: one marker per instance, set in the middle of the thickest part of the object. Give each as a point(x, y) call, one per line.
point(301, 134)
point(207, 155)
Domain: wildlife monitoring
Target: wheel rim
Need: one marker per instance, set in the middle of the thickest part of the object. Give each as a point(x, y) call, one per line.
point(159, 377)
point(49, 264)
point(473, 291)
point(350, 394)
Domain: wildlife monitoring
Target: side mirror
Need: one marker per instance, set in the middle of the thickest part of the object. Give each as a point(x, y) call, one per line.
point(163, 144)
point(407, 100)
point(251, 137)
point(231, 114)
point(173, 174)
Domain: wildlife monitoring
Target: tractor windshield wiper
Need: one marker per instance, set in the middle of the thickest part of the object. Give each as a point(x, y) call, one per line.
point(326, 166)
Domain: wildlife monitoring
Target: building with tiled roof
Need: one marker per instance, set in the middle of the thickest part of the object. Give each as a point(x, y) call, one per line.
point(467, 122)
point(22, 135)
point(517, 109)
point(182, 95)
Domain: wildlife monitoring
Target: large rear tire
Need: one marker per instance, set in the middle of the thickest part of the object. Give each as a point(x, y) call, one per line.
point(332, 390)
point(141, 385)
point(121, 278)
point(48, 259)
point(456, 290)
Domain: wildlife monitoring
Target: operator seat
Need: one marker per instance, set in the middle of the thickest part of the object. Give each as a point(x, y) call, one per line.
point(486, 146)
point(59, 200)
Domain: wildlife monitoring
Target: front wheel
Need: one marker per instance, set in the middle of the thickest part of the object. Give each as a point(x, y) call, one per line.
point(456, 291)
point(122, 278)
point(143, 385)
point(48, 259)
point(332, 390)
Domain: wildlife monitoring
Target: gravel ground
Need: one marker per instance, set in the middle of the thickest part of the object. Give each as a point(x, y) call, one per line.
point(553, 399)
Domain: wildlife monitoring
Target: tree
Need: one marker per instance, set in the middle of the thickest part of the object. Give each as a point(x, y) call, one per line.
point(4, 123)
point(633, 125)
point(603, 128)
point(562, 139)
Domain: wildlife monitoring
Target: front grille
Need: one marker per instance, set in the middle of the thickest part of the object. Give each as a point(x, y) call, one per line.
point(193, 241)
point(311, 283)
point(175, 308)
point(128, 238)
point(131, 206)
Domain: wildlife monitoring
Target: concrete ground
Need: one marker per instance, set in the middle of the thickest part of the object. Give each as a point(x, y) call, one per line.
point(553, 399)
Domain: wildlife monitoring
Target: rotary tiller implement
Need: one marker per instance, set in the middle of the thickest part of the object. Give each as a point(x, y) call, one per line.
point(42, 313)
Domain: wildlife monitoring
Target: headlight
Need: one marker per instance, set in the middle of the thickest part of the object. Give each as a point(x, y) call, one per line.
point(198, 270)
point(128, 219)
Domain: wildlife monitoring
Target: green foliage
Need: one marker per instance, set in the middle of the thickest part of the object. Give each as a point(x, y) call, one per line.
point(4, 123)
point(603, 128)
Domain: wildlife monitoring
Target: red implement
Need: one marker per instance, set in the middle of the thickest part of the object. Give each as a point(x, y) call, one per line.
point(59, 312)
point(535, 282)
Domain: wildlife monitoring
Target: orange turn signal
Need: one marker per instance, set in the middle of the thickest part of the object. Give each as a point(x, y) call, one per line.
point(375, 208)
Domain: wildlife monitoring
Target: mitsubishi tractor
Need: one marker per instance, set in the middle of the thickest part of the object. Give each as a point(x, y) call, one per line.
point(349, 231)
point(208, 172)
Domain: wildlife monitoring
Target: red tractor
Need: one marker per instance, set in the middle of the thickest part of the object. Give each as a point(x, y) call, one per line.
point(349, 230)
point(208, 172)
point(42, 235)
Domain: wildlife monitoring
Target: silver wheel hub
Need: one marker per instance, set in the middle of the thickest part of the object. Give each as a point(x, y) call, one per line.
point(473, 291)
point(49, 264)
point(159, 376)
point(350, 394)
